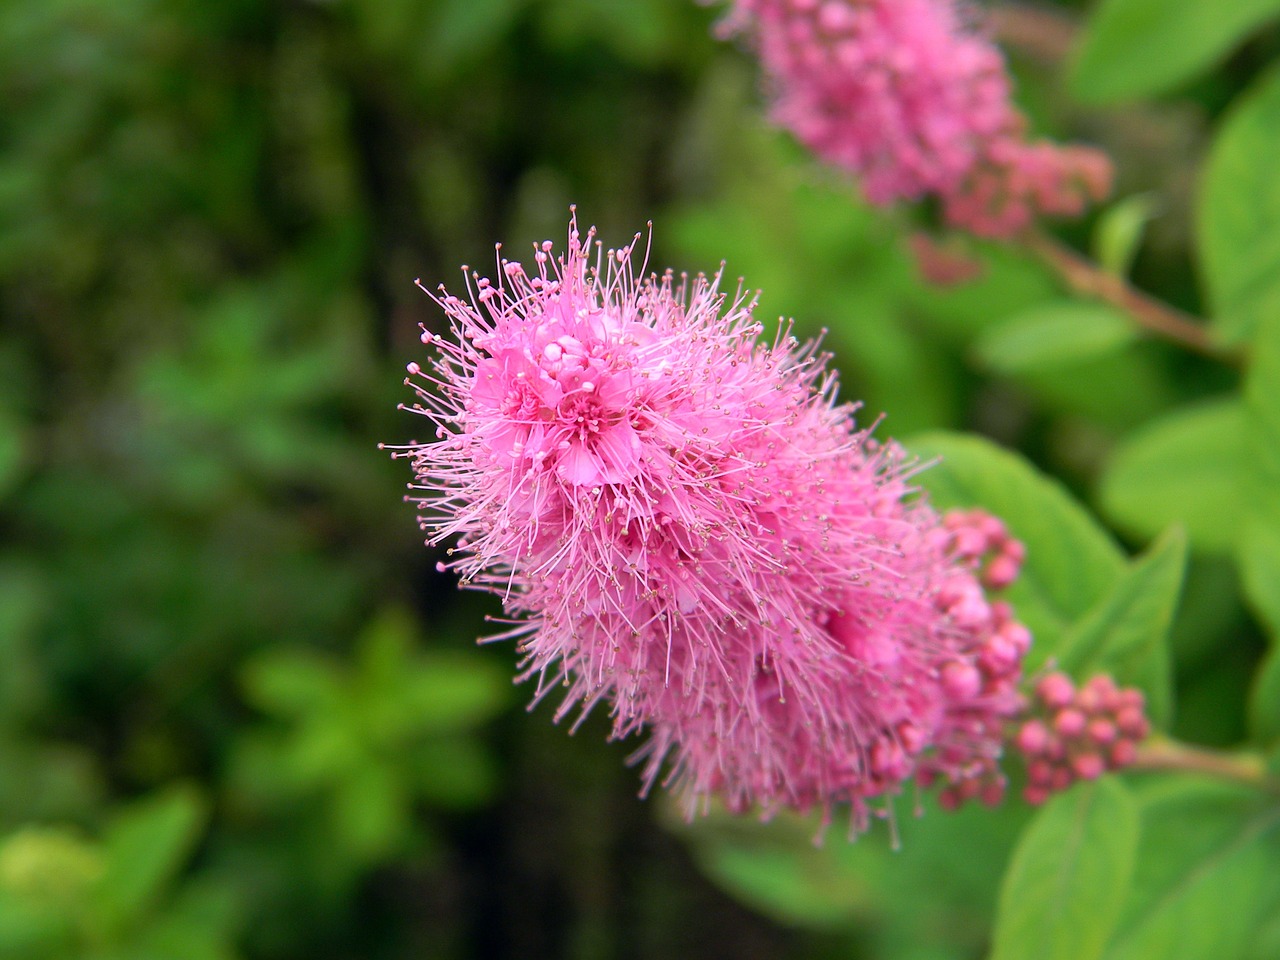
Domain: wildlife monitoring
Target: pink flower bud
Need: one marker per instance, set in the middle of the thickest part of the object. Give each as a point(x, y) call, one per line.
point(1032, 738)
point(1123, 753)
point(992, 793)
point(1000, 572)
point(1017, 635)
point(1101, 732)
point(961, 680)
point(1035, 796)
point(1056, 690)
point(1069, 722)
point(1132, 722)
point(1087, 766)
point(1040, 773)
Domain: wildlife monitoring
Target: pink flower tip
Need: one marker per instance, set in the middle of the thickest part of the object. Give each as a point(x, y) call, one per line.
point(1056, 690)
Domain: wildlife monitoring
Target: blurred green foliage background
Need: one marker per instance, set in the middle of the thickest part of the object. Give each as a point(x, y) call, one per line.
point(240, 714)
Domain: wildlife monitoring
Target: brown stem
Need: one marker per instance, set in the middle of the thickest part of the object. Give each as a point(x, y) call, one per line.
point(1085, 277)
point(1249, 769)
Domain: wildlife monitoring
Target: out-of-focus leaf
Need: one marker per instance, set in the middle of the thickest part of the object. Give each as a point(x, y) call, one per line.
point(404, 692)
point(145, 847)
point(322, 751)
point(1137, 48)
point(1265, 943)
point(454, 692)
point(808, 888)
point(293, 683)
point(1259, 550)
point(200, 924)
point(26, 930)
point(48, 781)
point(1239, 214)
point(924, 897)
point(642, 34)
point(23, 603)
point(50, 866)
point(1118, 235)
point(1127, 633)
point(468, 29)
point(1259, 558)
point(1262, 398)
point(1054, 335)
point(1262, 405)
point(1065, 886)
point(370, 811)
point(1010, 283)
point(12, 451)
point(1264, 698)
point(454, 772)
point(1071, 563)
point(1205, 877)
point(1182, 469)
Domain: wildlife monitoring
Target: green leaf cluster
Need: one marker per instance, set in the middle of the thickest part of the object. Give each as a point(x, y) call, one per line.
point(371, 741)
point(120, 895)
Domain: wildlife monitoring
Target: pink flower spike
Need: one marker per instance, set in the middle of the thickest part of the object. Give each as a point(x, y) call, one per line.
point(913, 98)
point(685, 526)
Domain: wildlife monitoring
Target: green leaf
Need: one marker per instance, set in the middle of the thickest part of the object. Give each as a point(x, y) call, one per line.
point(1137, 48)
point(145, 847)
point(49, 866)
point(788, 884)
point(1259, 550)
point(1065, 886)
point(1118, 235)
point(293, 683)
point(453, 691)
point(456, 773)
point(324, 750)
point(200, 923)
point(1206, 874)
point(1259, 558)
point(12, 451)
point(370, 812)
point(1239, 214)
point(1262, 403)
point(1127, 634)
point(1072, 563)
point(1054, 335)
point(1264, 698)
point(1184, 468)
point(1116, 392)
point(403, 691)
point(945, 867)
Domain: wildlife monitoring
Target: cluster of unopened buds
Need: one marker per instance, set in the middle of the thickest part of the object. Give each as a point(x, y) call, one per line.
point(1078, 733)
point(983, 540)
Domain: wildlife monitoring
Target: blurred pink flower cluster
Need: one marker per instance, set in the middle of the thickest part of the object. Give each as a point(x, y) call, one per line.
point(687, 528)
point(1075, 734)
point(913, 100)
